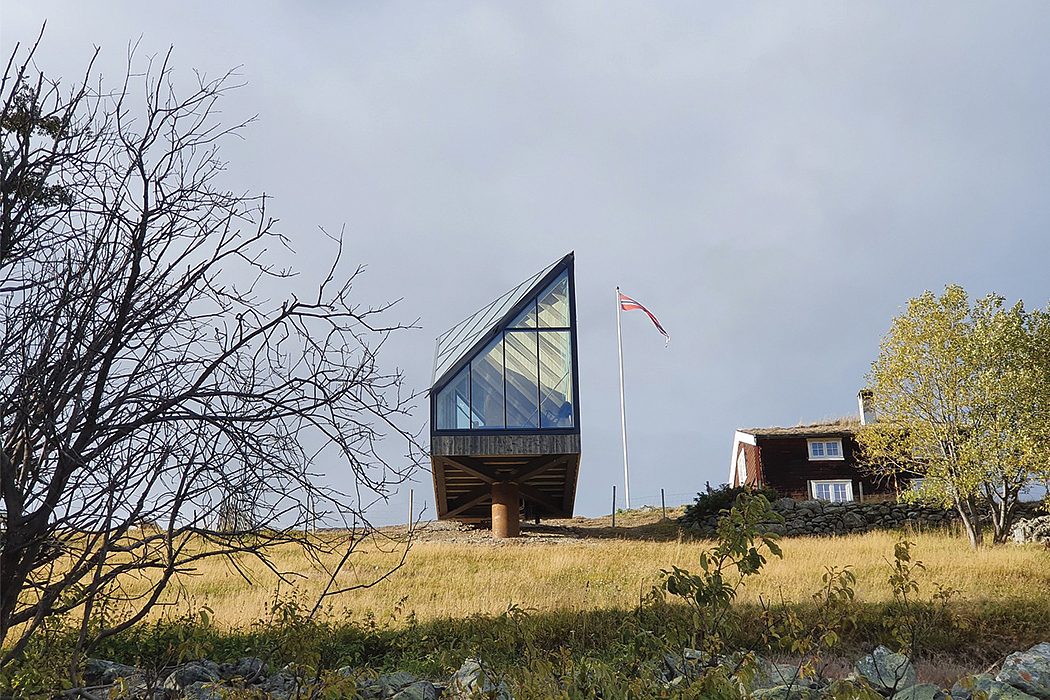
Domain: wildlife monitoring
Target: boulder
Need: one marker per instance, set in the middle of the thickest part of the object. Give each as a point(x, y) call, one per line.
point(203, 691)
point(102, 672)
point(784, 692)
point(1032, 530)
point(281, 686)
point(1028, 671)
point(193, 672)
point(420, 690)
point(473, 679)
point(249, 669)
point(687, 664)
point(923, 691)
point(770, 675)
point(992, 689)
point(386, 685)
point(885, 671)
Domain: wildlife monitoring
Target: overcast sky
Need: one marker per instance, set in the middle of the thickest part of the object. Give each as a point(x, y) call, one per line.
point(773, 180)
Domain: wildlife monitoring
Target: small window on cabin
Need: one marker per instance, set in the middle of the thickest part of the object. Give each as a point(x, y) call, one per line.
point(823, 448)
point(834, 490)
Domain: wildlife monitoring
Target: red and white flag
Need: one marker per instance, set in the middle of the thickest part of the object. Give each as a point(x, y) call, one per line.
point(629, 304)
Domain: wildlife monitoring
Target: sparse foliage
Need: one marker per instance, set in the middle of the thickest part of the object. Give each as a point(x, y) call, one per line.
point(961, 391)
point(744, 540)
point(146, 373)
point(809, 640)
point(911, 619)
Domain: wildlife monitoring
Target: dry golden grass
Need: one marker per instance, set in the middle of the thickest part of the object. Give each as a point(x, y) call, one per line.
point(460, 578)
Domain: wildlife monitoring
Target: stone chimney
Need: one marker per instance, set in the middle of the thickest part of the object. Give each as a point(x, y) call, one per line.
point(865, 401)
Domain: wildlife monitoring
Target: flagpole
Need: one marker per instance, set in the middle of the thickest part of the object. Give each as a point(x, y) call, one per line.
point(623, 410)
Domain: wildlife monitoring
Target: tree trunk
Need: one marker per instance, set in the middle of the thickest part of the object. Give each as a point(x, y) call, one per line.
point(970, 519)
point(1003, 516)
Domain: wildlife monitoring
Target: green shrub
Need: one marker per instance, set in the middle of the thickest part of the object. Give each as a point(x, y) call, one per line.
point(714, 501)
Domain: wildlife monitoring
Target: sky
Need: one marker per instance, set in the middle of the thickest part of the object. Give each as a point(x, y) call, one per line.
point(773, 180)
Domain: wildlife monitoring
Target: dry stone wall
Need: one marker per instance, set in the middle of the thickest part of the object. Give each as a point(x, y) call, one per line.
point(827, 518)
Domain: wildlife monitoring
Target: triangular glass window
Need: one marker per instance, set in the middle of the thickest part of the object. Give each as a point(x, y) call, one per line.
point(524, 377)
point(554, 304)
point(527, 318)
point(453, 404)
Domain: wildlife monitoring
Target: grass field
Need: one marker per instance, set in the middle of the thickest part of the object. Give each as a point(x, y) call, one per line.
point(581, 583)
point(598, 568)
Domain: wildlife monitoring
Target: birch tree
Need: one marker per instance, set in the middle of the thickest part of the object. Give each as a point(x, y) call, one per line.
point(961, 395)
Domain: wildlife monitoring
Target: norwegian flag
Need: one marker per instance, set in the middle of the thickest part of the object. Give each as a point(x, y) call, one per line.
point(629, 304)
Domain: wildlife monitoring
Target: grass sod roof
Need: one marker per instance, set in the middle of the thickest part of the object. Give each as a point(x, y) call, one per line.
point(837, 428)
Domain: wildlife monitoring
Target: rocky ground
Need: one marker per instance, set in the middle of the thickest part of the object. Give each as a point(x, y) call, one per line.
point(1021, 676)
point(645, 523)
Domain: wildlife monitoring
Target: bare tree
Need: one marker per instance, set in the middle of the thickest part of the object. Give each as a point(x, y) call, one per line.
point(144, 375)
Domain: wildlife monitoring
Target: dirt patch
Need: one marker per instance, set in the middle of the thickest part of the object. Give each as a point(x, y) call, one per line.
point(642, 524)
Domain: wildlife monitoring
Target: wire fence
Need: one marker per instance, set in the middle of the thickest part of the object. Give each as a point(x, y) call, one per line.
point(670, 500)
point(395, 510)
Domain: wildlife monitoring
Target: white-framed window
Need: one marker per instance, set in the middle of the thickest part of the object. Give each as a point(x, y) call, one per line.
point(836, 490)
point(825, 448)
point(741, 466)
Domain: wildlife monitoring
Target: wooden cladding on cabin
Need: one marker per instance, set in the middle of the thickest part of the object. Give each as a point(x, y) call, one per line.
point(503, 444)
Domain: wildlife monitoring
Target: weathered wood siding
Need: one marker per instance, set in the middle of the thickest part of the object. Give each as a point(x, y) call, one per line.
point(786, 467)
point(754, 466)
point(500, 444)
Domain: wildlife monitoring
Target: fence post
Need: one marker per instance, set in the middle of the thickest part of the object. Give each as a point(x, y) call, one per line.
point(663, 506)
point(614, 506)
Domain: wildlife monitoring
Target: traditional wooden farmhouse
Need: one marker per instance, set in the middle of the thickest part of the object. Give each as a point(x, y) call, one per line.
point(505, 409)
point(817, 461)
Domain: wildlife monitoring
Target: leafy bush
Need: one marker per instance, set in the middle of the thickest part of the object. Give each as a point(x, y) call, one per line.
point(714, 501)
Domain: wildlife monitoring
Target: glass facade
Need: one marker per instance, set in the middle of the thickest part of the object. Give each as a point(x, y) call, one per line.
point(523, 379)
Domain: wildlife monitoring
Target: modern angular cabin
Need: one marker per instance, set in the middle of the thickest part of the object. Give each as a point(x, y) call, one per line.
point(504, 407)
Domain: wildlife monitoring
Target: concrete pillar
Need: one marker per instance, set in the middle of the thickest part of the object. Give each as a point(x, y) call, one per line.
point(506, 516)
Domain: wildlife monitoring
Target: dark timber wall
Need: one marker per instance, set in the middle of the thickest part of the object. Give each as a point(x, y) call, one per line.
point(786, 466)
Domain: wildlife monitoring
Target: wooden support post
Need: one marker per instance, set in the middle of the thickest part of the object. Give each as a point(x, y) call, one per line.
point(614, 506)
point(506, 511)
point(663, 506)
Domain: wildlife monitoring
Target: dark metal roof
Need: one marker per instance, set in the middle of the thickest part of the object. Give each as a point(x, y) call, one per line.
point(458, 340)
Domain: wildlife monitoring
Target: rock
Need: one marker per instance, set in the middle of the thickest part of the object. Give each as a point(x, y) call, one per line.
point(685, 664)
point(885, 671)
point(854, 521)
point(923, 691)
point(102, 672)
point(193, 672)
point(784, 692)
point(992, 689)
point(386, 685)
point(841, 688)
point(1032, 530)
point(473, 679)
point(249, 668)
point(280, 685)
point(964, 687)
point(769, 675)
point(1029, 670)
point(420, 690)
point(203, 691)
